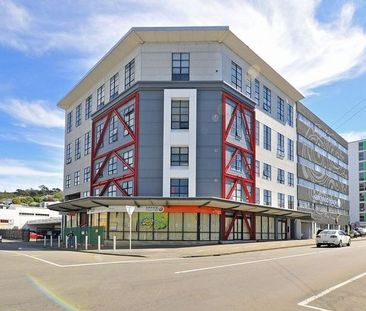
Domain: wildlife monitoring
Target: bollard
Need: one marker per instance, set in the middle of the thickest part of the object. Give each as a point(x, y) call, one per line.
point(66, 241)
point(99, 243)
point(114, 243)
point(76, 242)
point(44, 241)
point(51, 241)
point(86, 242)
point(59, 241)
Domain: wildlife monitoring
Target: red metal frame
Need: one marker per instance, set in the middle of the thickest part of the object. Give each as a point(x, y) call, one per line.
point(132, 171)
point(240, 107)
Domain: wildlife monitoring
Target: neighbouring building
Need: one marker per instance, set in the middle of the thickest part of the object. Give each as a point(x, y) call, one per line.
point(322, 174)
point(357, 182)
point(192, 121)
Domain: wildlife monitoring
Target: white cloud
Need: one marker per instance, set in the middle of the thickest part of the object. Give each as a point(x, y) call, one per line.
point(286, 34)
point(33, 113)
point(353, 135)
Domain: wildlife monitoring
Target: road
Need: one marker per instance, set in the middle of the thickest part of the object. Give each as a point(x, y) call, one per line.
point(302, 278)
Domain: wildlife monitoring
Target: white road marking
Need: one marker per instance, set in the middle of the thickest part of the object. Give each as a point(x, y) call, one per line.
point(36, 258)
point(305, 303)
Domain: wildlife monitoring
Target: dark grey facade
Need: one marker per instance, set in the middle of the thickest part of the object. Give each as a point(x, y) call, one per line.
point(322, 171)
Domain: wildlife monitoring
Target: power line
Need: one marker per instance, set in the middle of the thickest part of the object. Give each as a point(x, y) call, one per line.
point(344, 121)
point(348, 111)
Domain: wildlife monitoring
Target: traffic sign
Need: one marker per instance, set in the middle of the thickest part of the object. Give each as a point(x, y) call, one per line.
point(130, 209)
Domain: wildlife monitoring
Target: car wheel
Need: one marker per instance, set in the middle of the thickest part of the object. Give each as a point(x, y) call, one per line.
point(340, 243)
point(318, 245)
point(349, 242)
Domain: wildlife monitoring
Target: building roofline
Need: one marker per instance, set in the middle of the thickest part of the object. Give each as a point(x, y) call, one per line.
point(138, 35)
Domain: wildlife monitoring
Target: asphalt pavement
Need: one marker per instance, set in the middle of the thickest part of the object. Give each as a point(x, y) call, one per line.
point(300, 278)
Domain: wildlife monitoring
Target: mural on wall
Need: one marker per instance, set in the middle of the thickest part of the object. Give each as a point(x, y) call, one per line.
point(158, 221)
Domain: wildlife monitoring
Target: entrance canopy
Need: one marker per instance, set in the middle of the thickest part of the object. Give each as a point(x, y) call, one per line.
point(85, 204)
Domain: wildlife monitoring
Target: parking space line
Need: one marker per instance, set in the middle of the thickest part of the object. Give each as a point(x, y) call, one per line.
point(36, 258)
point(305, 303)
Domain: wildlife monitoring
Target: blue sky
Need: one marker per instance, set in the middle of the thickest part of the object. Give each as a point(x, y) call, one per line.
point(47, 46)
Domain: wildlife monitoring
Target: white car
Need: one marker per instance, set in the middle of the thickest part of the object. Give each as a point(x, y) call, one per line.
point(333, 237)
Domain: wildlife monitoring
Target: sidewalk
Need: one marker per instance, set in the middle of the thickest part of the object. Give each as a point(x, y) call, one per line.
point(204, 251)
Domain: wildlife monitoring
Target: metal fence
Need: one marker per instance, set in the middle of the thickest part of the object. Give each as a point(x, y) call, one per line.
point(15, 234)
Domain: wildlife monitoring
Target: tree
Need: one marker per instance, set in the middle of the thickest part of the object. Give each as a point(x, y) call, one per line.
point(17, 200)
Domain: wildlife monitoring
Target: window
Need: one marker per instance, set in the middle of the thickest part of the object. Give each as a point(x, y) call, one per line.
point(69, 122)
point(180, 114)
point(98, 171)
point(180, 66)
point(281, 199)
point(237, 163)
point(98, 131)
point(248, 85)
point(280, 176)
point(127, 186)
point(266, 99)
point(280, 145)
point(67, 181)
point(290, 201)
point(257, 196)
point(267, 171)
point(290, 115)
point(129, 73)
point(77, 178)
point(256, 91)
point(86, 174)
point(179, 156)
point(112, 165)
point(257, 168)
point(88, 107)
point(129, 117)
point(87, 143)
point(238, 126)
point(280, 109)
point(290, 179)
point(100, 97)
point(113, 130)
point(237, 193)
point(267, 137)
point(78, 115)
point(86, 194)
point(77, 149)
point(290, 149)
point(113, 86)
point(128, 157)
point(236, 76)
point(112, 191)
point(68, 154)
point(178, 187)
point(257, 133)
point(267, 197)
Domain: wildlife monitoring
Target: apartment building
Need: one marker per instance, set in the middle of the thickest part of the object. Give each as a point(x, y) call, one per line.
point(189, 119)
point(322, 173)
point(357, 182)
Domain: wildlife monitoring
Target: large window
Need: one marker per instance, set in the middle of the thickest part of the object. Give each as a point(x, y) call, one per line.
point(248, 85)
point(98, 130)
point(86, 174)
point(266, 99)
point(113, 130)
point(280, 145)
point(77, 178)
point(77, 149)
point(257, 196)
point(69, 122)
point(87, 143)
point(281, 200)
point(290, 201)
point(236, 76)
point(179, 156)
point(290, 149)
point(88, 107)
point(112, 191)
point(179, 187)
point(100, 97)
point(113, 86)
point(290, 179)
point(128, 157)
point(290, 115)
point(257, 168)
point(280, 109)
point(257, 133)
point(267, 197)
point(256, 91)
point(112, 165)
point(67, 181)
point(78, 116)
point(280, 176)
point(98, 171)
point(267, 171)
point(237, 193)
point(68, 154)
point(180, 114)
point(129, 117)
point(128, 187)
point(266, 137)
point(180, 66)
point(237, 163)
point(130, 73)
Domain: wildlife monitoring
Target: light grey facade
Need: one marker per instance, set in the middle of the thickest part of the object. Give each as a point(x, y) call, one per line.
point(322, 171)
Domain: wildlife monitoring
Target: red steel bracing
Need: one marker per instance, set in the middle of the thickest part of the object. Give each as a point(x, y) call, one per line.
point(247, 183)
point(131, 172)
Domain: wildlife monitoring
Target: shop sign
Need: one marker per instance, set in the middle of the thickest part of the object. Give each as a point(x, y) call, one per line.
point(126, 209)
point(326, 200)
